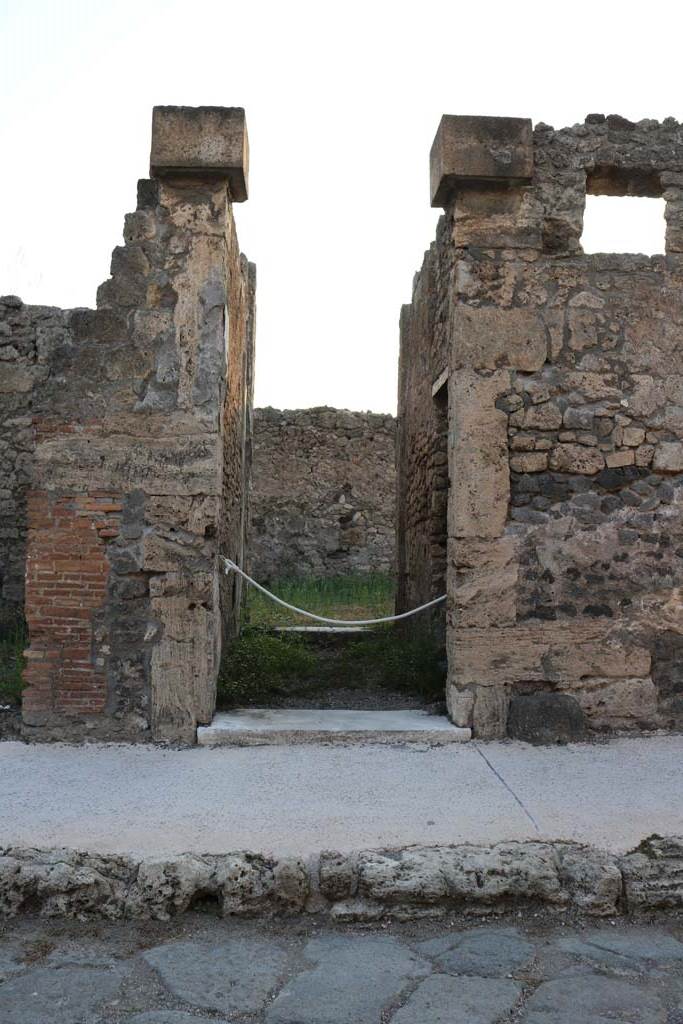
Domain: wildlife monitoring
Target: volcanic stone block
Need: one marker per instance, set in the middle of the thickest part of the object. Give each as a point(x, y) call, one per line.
point(546, 718)
point(207, 142)
point(669, 457)
point(475, 150)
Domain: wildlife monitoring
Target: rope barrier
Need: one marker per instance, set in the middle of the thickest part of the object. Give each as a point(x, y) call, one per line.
point(231, 566)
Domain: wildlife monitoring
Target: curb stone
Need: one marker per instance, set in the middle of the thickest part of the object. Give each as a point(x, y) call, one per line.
point(364, 886)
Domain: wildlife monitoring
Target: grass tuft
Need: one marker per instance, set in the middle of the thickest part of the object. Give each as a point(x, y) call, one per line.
point(368, 596)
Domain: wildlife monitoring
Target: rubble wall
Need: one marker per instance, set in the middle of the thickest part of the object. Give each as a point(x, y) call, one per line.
point(565, 522)
point(323, 493)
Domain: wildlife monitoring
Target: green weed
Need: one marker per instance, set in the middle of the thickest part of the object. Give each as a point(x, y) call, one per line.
point(412, 663)
point(258, 666)
point(13, 640)
point(261, 667)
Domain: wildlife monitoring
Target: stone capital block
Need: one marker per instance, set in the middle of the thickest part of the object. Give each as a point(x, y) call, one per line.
point(202, 142)
point(475, 150)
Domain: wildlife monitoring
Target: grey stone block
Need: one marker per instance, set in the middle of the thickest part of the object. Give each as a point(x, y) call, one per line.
point(355, 977)
point(593, 998)
point(444, 1000)
point(208, 142)
point(65, 995)
point(484, 952)
point(546, 718)
point(624, 950)
point(234, 977)
point(479, 150)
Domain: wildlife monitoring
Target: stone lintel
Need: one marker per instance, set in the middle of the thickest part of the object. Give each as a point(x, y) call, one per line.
point(201, 142)
point(479, 150)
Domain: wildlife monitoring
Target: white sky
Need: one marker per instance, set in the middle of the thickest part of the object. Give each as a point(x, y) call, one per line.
point(342, 103)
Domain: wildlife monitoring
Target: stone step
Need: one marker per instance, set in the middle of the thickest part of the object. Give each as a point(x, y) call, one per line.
point(322, 630)
point(271, 726)
point(327, 636)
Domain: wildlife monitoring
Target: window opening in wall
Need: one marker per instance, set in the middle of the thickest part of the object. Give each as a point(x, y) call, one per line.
point(624, 224)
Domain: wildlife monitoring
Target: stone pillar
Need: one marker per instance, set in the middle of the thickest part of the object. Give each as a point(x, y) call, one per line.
point(481, 169)
point(131, 479)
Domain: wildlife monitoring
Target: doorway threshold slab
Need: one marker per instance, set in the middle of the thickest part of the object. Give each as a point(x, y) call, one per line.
point(322, 630)
point(263, 726)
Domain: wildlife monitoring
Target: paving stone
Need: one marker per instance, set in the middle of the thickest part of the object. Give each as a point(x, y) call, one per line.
point(60, 995)
point(616, 949)
point(10, 963)
point(593, 999)
point(354, 978)
point(486, 952)
point(446, 1000)
point(233, 977)
point(80, 956)
point(168, 1017)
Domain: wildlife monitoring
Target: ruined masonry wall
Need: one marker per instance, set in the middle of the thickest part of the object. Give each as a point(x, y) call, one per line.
point(124, 456)
point(422, 450)
point(237, 436)
point(25, 336)
point(323, 493)
point(565, 522)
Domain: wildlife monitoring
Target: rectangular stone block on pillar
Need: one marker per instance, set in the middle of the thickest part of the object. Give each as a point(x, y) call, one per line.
point(204, 141)
point(472, 150)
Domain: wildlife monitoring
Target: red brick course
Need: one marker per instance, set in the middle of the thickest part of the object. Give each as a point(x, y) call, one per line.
point(66, 583)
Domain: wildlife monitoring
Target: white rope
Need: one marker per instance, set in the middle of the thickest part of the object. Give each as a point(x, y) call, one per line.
point(230, 565)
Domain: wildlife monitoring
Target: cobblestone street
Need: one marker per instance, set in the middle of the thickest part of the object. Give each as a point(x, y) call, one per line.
point(532, 968)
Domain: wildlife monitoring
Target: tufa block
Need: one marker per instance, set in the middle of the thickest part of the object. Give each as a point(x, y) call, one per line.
point(476, 150)
point(208, 142)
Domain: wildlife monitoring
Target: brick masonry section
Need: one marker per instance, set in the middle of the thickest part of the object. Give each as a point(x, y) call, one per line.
point(66, 588)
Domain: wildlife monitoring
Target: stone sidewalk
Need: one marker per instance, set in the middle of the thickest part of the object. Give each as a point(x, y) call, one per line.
point(297, 801)
point(539, 970)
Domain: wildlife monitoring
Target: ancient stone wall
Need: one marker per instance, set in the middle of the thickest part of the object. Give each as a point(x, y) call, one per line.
point(565, 524)
point(131, 454)
point(323, 493)
point(422, 464)
point(25, 333)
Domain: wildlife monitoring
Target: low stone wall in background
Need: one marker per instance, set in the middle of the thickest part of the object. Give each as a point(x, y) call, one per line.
point(323, 498)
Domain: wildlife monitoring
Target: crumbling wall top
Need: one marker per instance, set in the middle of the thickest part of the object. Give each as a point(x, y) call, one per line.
point(524, 189)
